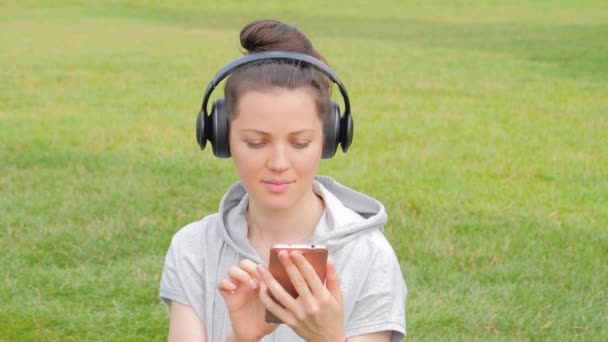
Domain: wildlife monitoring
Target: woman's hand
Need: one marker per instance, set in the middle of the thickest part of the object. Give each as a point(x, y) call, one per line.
point(317, 314)
point(241, 294)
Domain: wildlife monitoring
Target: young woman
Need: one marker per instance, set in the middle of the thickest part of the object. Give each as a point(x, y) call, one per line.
point(215, 279)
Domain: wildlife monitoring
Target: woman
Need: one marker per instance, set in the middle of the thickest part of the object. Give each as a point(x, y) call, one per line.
point(215, 279)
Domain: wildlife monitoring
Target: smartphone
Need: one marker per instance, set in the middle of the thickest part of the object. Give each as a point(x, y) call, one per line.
point(316, 256)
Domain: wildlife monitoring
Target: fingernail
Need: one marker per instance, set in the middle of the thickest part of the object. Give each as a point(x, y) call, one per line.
point(252, 284)
point(260, 269)
point(231, 286)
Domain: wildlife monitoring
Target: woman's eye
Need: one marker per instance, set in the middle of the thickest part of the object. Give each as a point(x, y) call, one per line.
point(301, 144)
point(255, 144)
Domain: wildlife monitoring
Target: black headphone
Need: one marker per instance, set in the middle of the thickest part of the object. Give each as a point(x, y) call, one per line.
point(338, 130)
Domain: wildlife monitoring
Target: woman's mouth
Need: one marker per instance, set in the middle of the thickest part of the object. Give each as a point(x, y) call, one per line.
point(277, 186)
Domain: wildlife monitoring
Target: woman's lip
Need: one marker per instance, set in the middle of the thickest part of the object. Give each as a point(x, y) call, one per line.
point(277, 186)
point(277, 182)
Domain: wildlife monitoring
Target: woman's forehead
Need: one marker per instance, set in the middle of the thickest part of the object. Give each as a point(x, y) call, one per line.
point(294, 103)
point(284, 110)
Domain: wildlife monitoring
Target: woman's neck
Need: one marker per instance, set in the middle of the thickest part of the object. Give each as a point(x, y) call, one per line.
point(291, 225)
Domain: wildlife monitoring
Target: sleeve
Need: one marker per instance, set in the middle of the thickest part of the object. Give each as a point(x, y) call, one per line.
point(380, 305)
point(180, 274)
point(171, 286)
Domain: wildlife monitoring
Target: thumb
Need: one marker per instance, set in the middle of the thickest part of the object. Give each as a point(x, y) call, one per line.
point(332, 282)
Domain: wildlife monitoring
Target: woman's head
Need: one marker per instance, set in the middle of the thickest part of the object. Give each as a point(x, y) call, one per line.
point(273, 35)
point(276, 111)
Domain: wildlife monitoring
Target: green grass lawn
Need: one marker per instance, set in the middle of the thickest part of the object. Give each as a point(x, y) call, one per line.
point(481, 126)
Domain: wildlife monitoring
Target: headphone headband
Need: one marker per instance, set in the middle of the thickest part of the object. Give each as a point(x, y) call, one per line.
point(279, 55)
point(215, 126)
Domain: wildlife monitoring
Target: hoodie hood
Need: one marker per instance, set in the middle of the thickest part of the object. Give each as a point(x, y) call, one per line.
point(348, 213)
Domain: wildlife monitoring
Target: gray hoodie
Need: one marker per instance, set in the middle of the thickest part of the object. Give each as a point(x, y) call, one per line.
point(352, 229)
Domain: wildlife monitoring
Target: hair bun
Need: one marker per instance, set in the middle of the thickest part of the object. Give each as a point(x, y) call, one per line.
point(273, 35)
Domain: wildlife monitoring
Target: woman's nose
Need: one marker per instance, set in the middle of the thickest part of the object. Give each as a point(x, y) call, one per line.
point(278, 160)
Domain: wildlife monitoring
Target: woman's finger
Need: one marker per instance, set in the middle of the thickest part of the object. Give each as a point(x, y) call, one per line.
point(308, 273)
point(226, 286)
point(297, 280)
point(333, 283)
point(238, 275)
point(251, 268)
point(271, 305)
point(276, 289)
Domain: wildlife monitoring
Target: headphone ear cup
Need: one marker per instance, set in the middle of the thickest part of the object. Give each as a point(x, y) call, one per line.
point(219, 130)
point(346, 131)
point(331, 129)
point(201, 125)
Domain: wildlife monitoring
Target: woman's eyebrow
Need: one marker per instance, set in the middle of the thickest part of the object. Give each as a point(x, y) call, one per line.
point(257, 131)
point(249, 130)
point(302, 131)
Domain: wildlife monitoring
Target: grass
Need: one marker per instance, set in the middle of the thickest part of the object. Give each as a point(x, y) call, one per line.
point(480, 125)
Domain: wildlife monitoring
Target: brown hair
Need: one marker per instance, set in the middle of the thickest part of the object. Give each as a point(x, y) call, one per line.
point(273, 35)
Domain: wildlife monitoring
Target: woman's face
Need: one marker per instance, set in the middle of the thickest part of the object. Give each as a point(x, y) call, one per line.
point(276, 141)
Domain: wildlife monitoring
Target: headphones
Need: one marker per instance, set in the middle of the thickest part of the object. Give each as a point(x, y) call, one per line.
point(338, 130)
